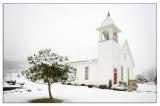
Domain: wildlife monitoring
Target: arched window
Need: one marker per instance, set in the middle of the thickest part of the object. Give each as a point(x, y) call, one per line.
point(122, 73)
point(75, 73)
point(106, 36)
point(86, 72)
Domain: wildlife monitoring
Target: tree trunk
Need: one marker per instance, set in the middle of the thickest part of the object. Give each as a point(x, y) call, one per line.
point(49, 90)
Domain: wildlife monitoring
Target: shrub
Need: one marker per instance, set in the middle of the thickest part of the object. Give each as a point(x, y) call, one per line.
point(110, 84)
point(28, 90)
point(63, 83)
point(69, 84)
point(119, 87)
point(22, 83)
point(123, 83)
point(82, 84)
point(103, 86)
point(90, 86)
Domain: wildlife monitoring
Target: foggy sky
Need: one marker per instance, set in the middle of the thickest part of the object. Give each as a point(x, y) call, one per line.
point(70, 30)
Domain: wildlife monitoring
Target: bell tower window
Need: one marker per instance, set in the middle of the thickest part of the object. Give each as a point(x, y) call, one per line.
point(115, 36)
point(105, 36)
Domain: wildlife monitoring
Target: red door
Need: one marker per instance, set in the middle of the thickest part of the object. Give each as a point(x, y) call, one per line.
point(115, 76)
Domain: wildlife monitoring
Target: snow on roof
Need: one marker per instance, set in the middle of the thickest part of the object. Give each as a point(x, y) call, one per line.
point(83, 61)
point(108, 21)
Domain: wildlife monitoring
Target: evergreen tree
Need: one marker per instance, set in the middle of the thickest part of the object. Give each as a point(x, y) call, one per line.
point(48, 68)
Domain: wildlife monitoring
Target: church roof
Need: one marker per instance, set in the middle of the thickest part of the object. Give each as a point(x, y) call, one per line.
point(84, 61)
point(108, 22)
point(129, 51)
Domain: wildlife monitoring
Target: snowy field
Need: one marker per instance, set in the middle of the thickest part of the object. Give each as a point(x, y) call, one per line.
point(70, 93)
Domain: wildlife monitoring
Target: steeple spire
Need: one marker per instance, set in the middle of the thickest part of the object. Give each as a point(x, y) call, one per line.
point(108, 14)
point(108, 21)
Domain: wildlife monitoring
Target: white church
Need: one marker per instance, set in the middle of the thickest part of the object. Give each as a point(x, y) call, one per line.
point(113, 63)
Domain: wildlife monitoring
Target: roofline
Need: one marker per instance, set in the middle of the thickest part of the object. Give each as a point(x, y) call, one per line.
point(129, 51)
point(112, 25)
point(84, 61)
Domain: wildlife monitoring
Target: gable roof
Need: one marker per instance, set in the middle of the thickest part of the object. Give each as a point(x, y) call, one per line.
point(129, 51)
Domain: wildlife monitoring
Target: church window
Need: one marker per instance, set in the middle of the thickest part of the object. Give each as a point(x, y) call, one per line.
point(106, 36)
point(75, 73)
point(86, 72)
point(121, 72)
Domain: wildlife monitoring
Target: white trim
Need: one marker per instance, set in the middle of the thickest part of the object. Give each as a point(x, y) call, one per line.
point(85, 61)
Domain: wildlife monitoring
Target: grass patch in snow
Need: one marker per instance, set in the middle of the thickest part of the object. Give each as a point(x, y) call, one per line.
point(46, 100)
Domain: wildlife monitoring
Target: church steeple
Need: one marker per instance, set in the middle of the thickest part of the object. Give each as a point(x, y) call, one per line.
point(108, 30)
point(108, 14)
point(108, 20)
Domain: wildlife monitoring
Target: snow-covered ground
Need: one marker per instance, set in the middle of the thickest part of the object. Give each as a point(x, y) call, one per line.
point(70, 93)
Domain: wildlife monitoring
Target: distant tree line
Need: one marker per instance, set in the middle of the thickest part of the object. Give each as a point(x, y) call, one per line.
point(147, 76)
point(13, 66)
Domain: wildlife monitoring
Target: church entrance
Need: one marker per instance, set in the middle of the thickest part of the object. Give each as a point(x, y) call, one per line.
point(115, 76)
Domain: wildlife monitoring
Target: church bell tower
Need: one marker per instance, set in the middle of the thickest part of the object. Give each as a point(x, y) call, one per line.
point(108, 51)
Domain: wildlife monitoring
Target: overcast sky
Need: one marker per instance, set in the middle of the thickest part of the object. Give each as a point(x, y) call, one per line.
point(70, 30)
